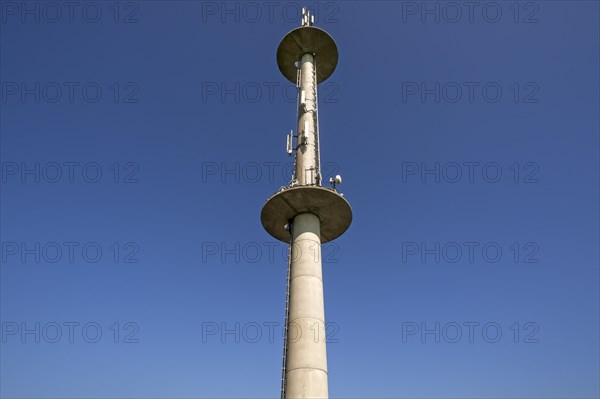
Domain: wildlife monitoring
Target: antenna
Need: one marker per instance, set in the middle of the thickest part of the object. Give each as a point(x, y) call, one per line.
point(335, 180)
point(307, 18)
point(290, 138)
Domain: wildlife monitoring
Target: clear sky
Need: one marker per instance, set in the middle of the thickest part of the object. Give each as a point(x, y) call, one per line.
point(139, 141)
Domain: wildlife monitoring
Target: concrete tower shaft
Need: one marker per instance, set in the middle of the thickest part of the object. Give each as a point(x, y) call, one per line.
point(306, 362)
point(307, 151)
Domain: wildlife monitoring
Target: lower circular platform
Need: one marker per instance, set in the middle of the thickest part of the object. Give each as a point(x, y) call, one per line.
point(307, 39)
point(332, 209)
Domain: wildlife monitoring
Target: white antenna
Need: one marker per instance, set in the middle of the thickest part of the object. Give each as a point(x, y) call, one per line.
point(290, 138)
point(307, 18)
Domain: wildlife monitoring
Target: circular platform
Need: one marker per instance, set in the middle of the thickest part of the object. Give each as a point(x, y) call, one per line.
point(332, 209)
point(307, 39)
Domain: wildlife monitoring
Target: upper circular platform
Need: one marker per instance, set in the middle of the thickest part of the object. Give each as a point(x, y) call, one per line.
point(307, 39)
point(332, 209)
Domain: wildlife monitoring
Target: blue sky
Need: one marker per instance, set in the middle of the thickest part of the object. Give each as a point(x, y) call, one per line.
point(139, 141)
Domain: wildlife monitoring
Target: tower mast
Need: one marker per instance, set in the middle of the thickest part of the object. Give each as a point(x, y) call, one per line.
point(305, 214)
